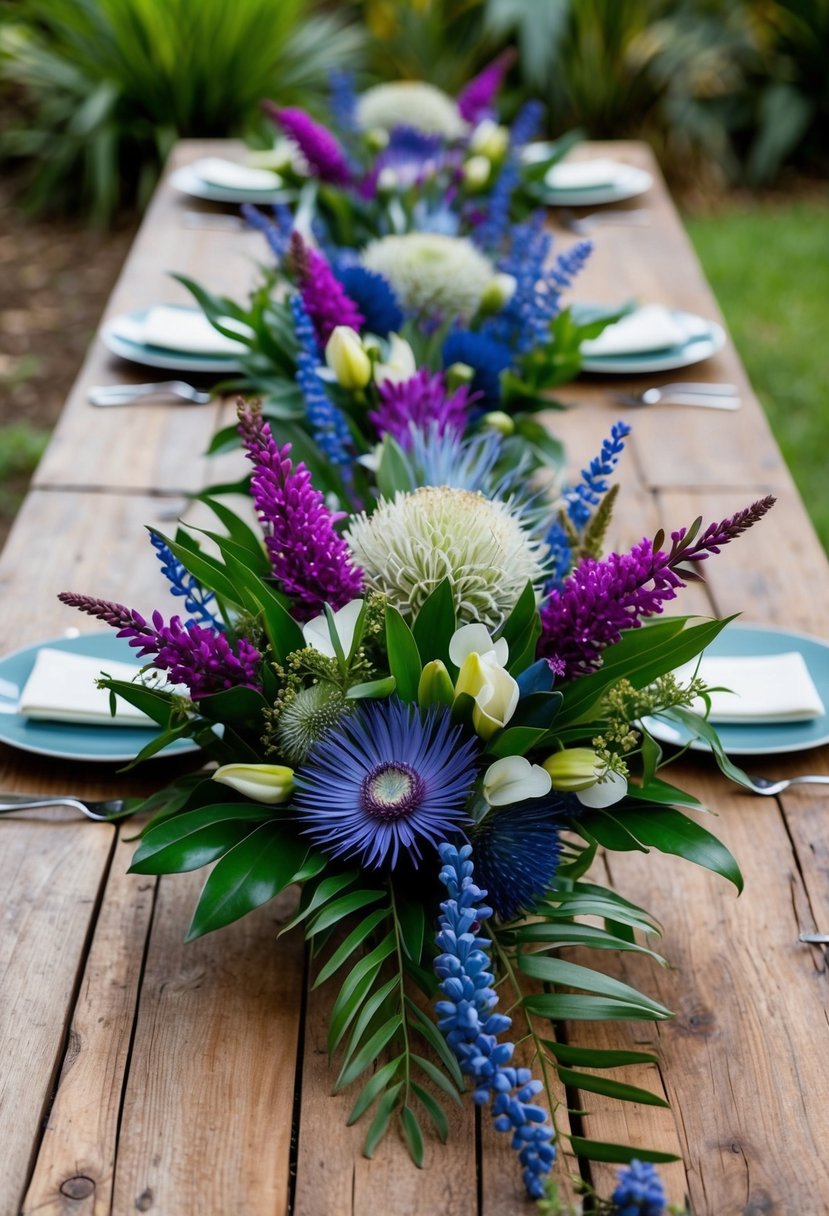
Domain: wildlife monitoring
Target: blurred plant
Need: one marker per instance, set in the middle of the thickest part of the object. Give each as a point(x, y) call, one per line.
point(442, 41)
point(107, 86)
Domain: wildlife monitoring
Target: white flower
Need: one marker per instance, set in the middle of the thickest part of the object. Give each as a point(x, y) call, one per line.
point(476, 639)
point(268, 783)
point(431, 272)
point(493, 690)
point(476, 172)
point(579, 770)
point(499, 292)
point(412, 543)
point(490, 140)
point(410, 103)
point(399, 363)
point(610, 789)
point(317, 633)
point(514, 778)
point(346, 357)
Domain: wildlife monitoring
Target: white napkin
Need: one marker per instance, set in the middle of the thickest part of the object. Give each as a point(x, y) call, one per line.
point(765, 688)
point(649, 328)
point(230, 175)
point(583, 174)
point(189, 331)
point(61, 688)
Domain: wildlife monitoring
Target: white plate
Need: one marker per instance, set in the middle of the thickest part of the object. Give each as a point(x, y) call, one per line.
point(121, 335)
point(705, 338)
point(187, 181)
point(629, 182)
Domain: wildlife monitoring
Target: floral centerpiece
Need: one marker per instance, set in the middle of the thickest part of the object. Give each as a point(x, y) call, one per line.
point(430, 712)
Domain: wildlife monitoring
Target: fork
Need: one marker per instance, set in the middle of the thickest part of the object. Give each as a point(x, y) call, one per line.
point(124, 394)
point(707, 396)
point(582, 224)
point(765, 785)
point(103, 811)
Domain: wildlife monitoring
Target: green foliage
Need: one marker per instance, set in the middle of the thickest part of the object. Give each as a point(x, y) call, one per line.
point(107, 86)
point(21, 447)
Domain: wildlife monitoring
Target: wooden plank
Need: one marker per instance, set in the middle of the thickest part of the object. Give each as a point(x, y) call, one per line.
point(50, 875)
point(209, 1100)
point(76, 1162)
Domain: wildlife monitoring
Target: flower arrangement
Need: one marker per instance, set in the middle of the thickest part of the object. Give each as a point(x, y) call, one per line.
point(429, 710)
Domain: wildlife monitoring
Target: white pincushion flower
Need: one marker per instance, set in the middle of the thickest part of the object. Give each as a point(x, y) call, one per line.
point(410, 103)
point(431, 272)
point(411, 544)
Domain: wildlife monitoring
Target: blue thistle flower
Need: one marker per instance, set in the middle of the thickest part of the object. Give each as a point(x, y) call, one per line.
point(276, 231)
point(487, 358)
point(639, 1192)
point(186, 585)
point(517, 851)
point(328, 423)
point(388, 778)
point(466, 1018)
point(581, 499)
point(374, 296)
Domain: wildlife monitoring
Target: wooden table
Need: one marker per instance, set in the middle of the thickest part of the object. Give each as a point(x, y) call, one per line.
point(142, 1074)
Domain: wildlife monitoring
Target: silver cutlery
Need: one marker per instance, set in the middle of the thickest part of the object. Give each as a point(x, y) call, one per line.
point(638, 217)
point(102, 811)
point(125, 394)
point(706, 396)
point(764, 785)
point(213, 219)
point(814, 939)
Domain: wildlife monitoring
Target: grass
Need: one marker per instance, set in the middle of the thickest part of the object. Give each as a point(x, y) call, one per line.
point(21, 447)
point(769, 268)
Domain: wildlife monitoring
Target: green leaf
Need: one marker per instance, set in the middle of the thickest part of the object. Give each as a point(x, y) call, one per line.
point(411, 920)
point(393, 470)
point(436, 1041)
point(380, 1122)
point(435, 624)
point(412, 1135)
point(609, 1088)
point(355, 989)
point(576, 934)
point(244, 536)
point(597, 1057)
point(355, 938)
point(439, 1078)
point(208, 570)
point(700, 728)
point(372, 1089)
point(434, 1110)
point(334, 912)
point(155, 704)
point(284, 634)
point(563, 1007)
point(373, 688)
point(325, 890)
point(236, 706)
point(249, 875)
point(620, 1154)
point(516, 740)
point(657, 790)
point(404, 657)
point(370, 1050)
point(195, 838)
point(560, 971)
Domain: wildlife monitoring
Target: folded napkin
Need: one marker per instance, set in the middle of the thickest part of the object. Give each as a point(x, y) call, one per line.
point(650, 328)
point(189, 331)
point(764, 688)
point(232, 176)
point(583, 174)
point(61, 688)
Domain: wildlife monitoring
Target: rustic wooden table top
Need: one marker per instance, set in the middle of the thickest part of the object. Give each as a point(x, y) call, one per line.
point(142, 1074)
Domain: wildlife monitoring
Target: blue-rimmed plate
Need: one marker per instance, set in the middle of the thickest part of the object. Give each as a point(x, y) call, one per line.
point(766, 738)
point(626, 181)
point(704, 339)
point(63, 740)
point(122, 335)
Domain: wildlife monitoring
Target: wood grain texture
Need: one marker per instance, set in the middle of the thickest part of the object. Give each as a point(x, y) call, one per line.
point(50, 875)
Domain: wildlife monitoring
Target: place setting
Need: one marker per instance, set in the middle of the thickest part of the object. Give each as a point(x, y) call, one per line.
point(176, 337)
point(220, 180)
point(590, 182)
point(649, 338)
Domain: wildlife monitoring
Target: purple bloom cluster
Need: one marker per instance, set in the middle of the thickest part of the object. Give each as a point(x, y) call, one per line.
point(184, 584)
point(413, 155)
point(476, 99)
point(201, 659)
point(323, 296)
point(639, 1191)
point(419, 401)
point(601, 598)
point(322, 151)
point(471, 1027)
point(582, 498)
point(328, 425)
point(311, 562)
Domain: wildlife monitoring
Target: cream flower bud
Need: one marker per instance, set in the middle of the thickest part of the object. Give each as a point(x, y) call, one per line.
point(268, 783)
point(387, 180)
point(476, 172)
point(514, 778)
point(498, 293)
point(497, 420)
point(377, 138)
point(457, 374)
point(346, 357)
point(399, 364)
point(574, 768)
point(493, 690)
point(435, 687)
point(490, 140)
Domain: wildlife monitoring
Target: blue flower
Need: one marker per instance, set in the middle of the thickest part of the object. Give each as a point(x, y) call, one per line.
point(328, 424)
point(184, 584)
point(387, 778)
point(342, 98)
point(587, 494)
point(485, 356)
point(466, 1018)
point(374, 297)
point(517, 851)
point(277, 232)
point(639, 1192)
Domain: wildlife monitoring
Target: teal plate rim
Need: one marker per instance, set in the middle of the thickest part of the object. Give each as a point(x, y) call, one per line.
point(63, 740)
point(741, 639)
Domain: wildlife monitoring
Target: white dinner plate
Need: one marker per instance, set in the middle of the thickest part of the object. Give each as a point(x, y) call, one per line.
point(187, 181)
point(629, 181)
point(705, 338)
point(122, 335)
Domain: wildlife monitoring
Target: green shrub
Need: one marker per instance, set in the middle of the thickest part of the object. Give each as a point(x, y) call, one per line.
point(106, 86)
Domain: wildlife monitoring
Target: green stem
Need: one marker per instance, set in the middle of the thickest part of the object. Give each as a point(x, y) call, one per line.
point(402, 995)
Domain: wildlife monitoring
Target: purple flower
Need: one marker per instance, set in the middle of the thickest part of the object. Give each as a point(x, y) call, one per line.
point(475, 100)
point(310, 560)
point(322, 293)
point(316, 143)
point(601, 598)
point(419, 401)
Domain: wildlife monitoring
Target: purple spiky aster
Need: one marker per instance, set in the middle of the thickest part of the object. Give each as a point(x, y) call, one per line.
point(420, 401)
point(476, 99)
point(386, 781)
point(601, 598)
point(311, 562)
point(323, 296)
point(320, 148)
point(201, 659)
